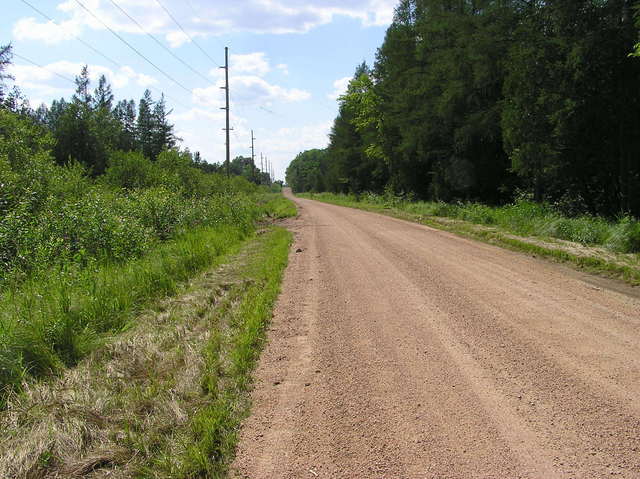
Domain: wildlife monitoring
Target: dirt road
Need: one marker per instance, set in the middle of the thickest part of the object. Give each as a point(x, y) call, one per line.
point(399, 351)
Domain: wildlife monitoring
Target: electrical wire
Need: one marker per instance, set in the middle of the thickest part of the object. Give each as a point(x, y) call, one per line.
point(119, 37)
point(186, 33)
point(162, 45)
point(86, 44)
point(188, 2)
point(43, 67)
point(92, 48)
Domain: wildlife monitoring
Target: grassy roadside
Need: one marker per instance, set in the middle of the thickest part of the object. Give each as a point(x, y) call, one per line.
point(276, 206)
point(520, 230)
point(163, 399)
point(51, 322)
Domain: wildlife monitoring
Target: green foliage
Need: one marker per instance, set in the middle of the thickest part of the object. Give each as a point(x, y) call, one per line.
point(305, 172)
point(54, 320)
point(475, 101)
point(78, 255)
point(214, 428)
point(523, 217)
point(132, 170)
point(276, 206)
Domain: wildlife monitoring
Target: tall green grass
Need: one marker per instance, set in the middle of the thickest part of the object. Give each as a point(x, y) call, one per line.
point(213, 430)
point(52, 322)
point(276, 206)
point(521, 218)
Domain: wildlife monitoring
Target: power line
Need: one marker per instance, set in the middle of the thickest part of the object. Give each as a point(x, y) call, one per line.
point(164, 47)
point(188, 2)
point(76, 37)
point(187, 34)
point(44, 68)
point(133, 48)
point(95, 50)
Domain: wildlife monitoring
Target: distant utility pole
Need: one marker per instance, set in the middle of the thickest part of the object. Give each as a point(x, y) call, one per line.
point(226, 88)
point(266, 169)
point(261, 168)
point(253, 155)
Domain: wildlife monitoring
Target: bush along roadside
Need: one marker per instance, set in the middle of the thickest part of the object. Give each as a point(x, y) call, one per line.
point(166, 397)
point(50, 319)
point(601, 246)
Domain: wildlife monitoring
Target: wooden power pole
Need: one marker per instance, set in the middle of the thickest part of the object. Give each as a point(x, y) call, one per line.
point(226, 88)
point(253, 155)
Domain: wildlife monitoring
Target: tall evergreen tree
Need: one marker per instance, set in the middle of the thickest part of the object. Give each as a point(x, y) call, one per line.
point(103, 95)
point(145, 125)
point(5, 61)
point(83, 82)
point(162, 136)
point(125, 113)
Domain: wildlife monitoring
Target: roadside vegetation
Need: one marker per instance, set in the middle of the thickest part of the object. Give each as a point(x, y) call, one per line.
point(608, 247)
point(164, 398)
point(136, 281)
point(523, 217)
point(101, 215)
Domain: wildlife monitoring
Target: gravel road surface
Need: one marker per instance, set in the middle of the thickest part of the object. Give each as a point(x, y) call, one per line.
point(400, 351)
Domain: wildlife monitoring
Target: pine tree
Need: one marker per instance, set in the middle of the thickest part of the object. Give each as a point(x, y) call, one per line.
point(163, 137)
point(103, 95)
point(82, 94)
point(125, 112)
point(5, 61)
point(145, 124)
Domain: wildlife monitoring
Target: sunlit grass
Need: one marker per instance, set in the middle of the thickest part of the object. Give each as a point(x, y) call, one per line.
point(521, 217)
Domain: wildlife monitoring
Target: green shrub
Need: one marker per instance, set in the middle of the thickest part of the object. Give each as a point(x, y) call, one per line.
point(625, 236)
point(132, 170)
point(523, 217)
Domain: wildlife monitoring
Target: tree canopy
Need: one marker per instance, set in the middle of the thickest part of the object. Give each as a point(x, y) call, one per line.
point(488, 99)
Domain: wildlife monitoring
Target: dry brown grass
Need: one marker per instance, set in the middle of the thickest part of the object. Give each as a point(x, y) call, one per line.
point(122, 411)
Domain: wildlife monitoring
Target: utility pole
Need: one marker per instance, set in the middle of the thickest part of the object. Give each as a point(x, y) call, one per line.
point(261, 168)
point(266, 167)
point(253, 155)
point(226, 88)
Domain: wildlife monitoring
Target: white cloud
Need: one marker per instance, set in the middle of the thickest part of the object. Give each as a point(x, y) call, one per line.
point(340, 87)
point(284, 68)
point(208, 17)
point(177, 38)
point(47, 32)
point(293, 140)
point(248, 90)
point(254, 63)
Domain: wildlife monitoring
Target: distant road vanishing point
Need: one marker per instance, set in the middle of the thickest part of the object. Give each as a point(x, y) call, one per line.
point(400, 351)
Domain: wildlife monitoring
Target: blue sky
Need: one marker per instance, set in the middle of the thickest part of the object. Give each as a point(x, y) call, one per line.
point(289, 61)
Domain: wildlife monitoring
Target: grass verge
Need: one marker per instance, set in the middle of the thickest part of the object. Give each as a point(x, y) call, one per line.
point(521, 227)
point(51, 322)
point(166, 397)
point(277, 206)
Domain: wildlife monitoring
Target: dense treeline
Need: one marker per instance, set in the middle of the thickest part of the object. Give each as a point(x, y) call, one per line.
point(91, 125)
point(485, 100)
